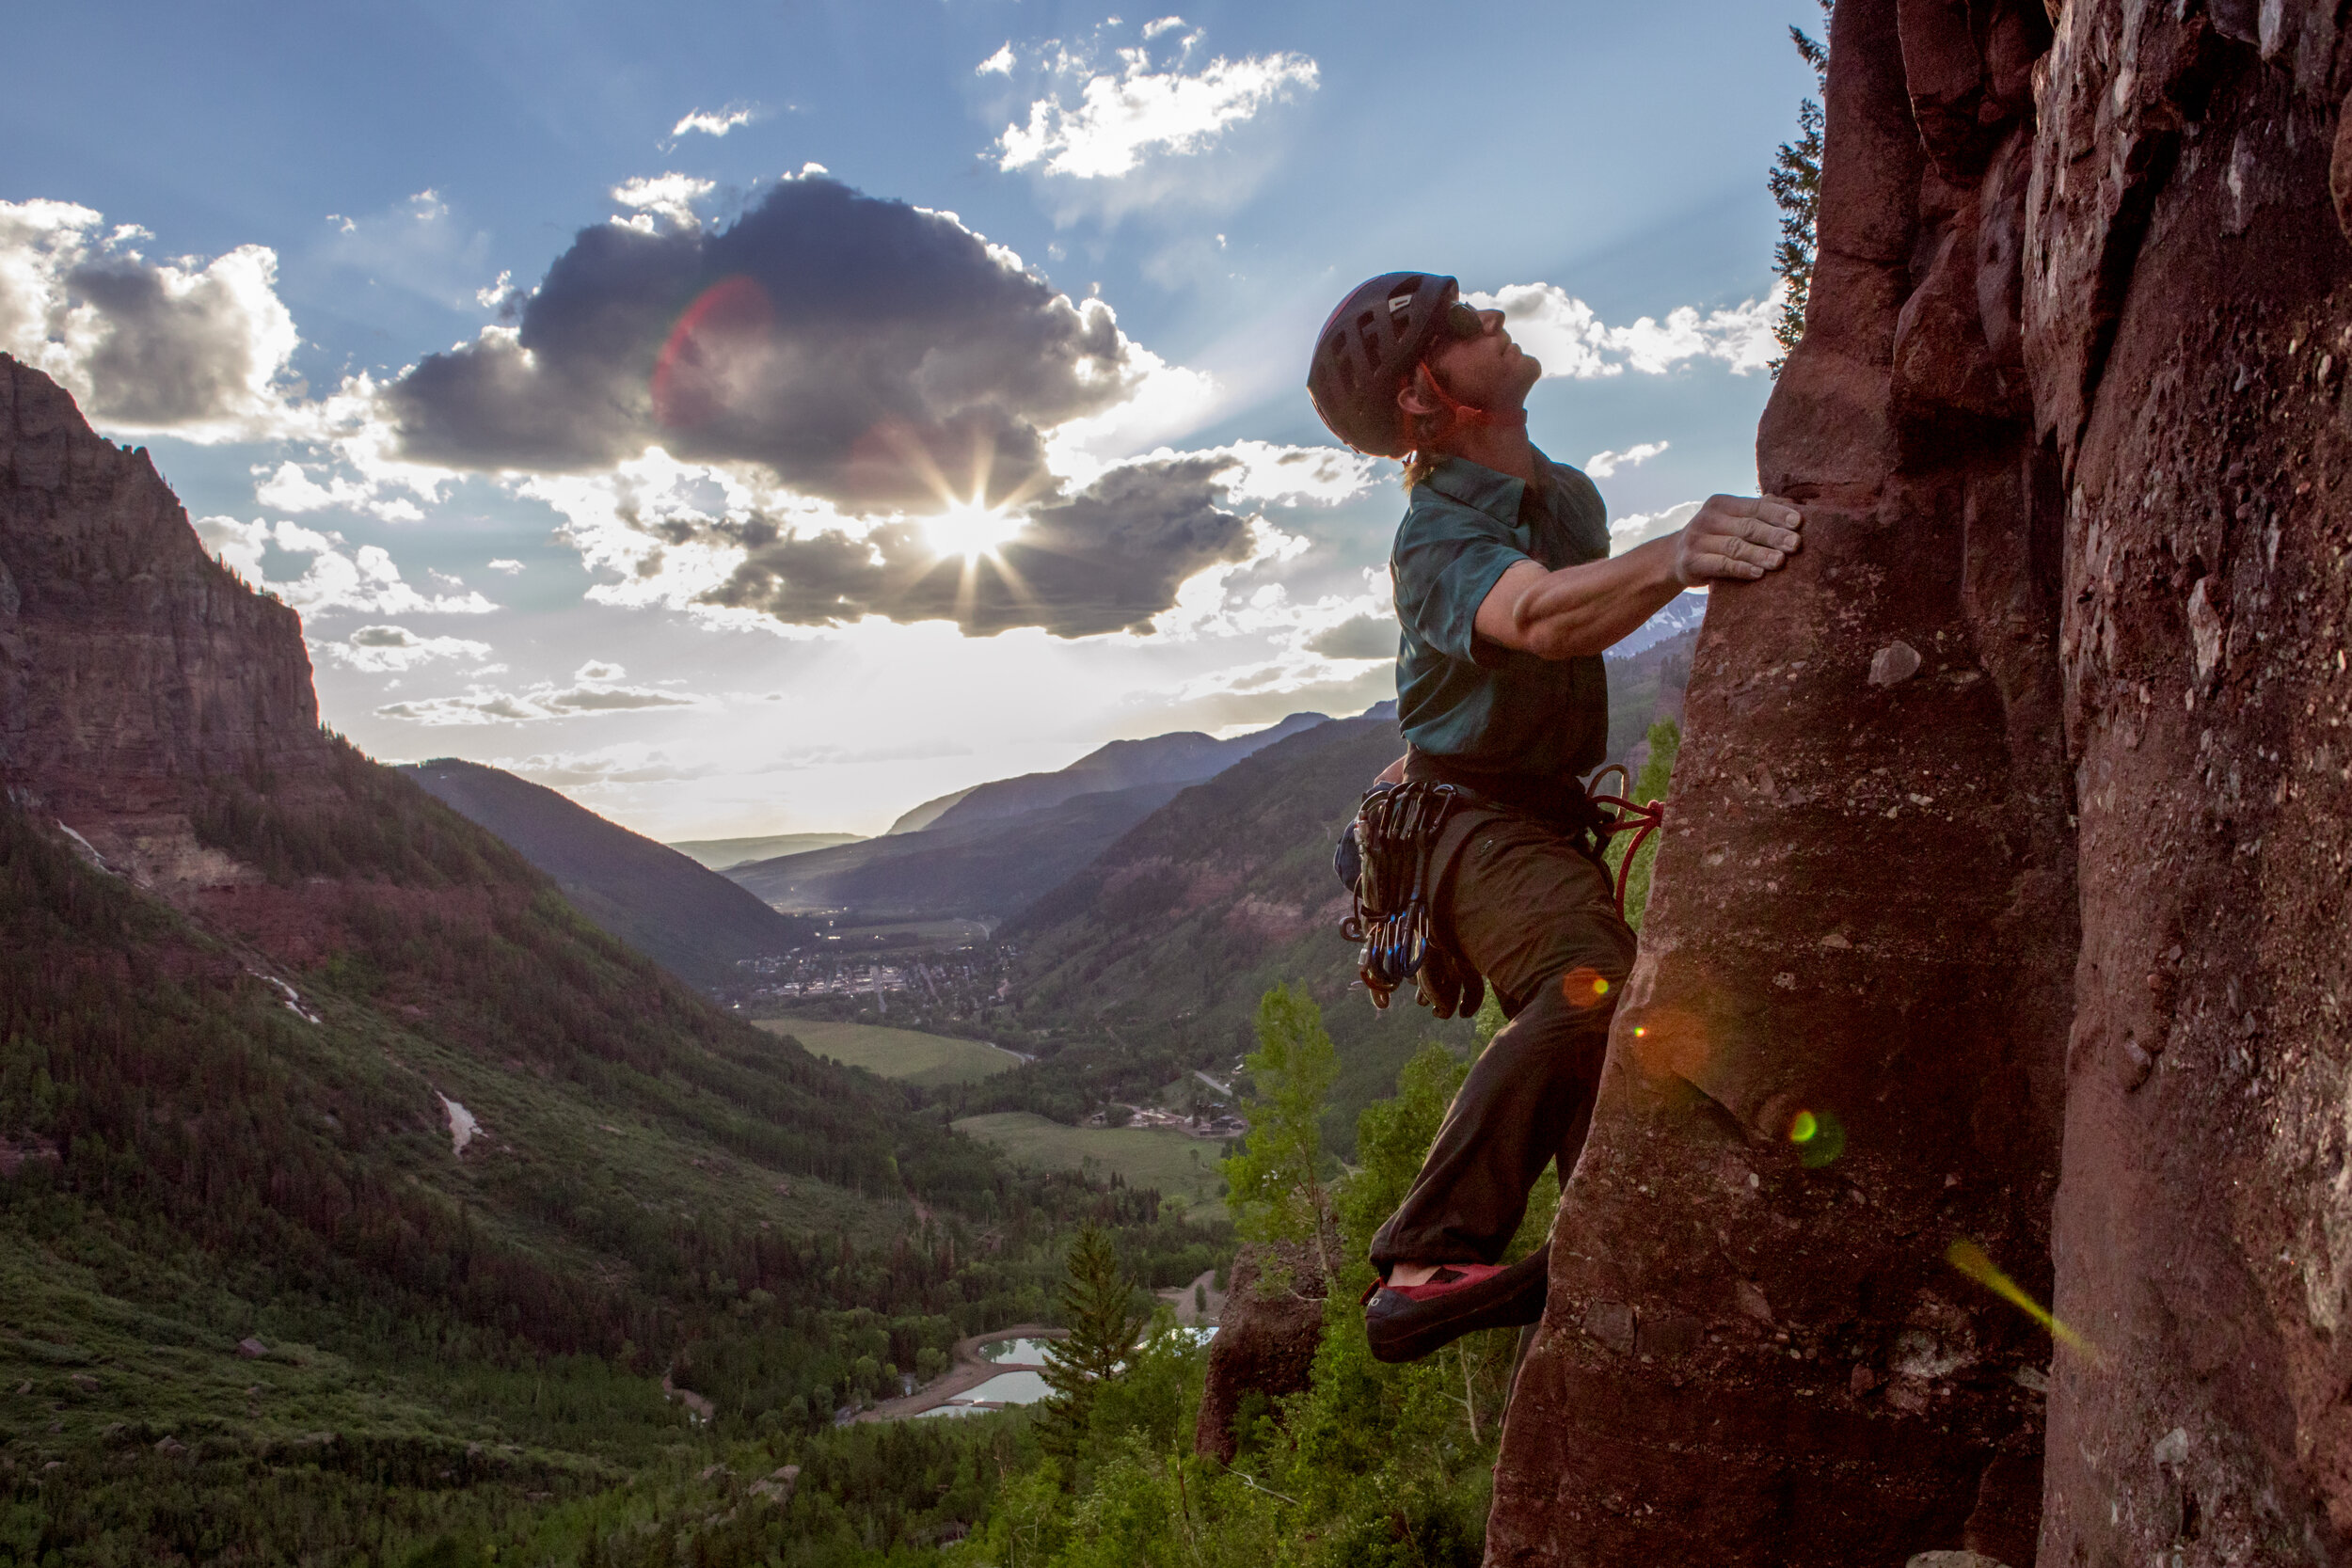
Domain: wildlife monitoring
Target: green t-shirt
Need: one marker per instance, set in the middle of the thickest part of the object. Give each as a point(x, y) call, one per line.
point(1459, 696)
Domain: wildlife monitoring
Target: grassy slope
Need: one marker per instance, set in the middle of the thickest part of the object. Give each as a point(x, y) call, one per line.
point(1178, 1166)
point(906, 1055)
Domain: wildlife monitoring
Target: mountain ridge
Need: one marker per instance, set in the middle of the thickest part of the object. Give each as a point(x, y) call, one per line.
point(665, 904)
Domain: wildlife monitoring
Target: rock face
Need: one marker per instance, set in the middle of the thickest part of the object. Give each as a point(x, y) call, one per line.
point(1265, 1339)
point(2011, 819)
point(133, 666)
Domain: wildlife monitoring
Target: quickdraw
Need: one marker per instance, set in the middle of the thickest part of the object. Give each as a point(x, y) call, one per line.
point(1395, 834)
point(1641, 820)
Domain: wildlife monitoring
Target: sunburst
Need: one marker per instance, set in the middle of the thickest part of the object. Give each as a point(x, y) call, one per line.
point(971, 529)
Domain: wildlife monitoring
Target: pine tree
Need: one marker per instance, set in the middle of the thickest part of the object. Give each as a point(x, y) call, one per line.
point(1275, 1182)
point(1098, 1305)
point(1796, 186)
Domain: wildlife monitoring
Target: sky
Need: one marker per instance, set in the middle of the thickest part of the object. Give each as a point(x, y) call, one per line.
point(763, 418)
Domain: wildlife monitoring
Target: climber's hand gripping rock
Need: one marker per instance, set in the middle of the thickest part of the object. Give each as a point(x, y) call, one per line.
point(1736, 539)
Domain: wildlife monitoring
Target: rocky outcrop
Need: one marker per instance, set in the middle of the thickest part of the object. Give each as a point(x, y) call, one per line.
point(133, 667)
point(1267, 1339)
point(2011, 819)
point(2203, 1230)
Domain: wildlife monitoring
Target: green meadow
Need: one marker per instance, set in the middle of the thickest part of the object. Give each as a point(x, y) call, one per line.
point(1178, 1166)
point(927, 1061)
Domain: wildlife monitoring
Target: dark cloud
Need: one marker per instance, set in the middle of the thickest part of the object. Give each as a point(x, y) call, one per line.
point(1365, 637)
point(1106, 558)
point(862, 349)
point(162, 358)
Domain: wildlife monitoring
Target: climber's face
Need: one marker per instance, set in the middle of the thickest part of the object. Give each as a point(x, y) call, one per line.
point(1485, 370)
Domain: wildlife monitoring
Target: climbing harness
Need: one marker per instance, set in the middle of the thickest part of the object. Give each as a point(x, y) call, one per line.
point(1387, 857)
point(1639, 821)
point(1393, 840)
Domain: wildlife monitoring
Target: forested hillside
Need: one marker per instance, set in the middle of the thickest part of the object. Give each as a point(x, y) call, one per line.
point(354, 1188)
point(651, 897)
point(1155, 954)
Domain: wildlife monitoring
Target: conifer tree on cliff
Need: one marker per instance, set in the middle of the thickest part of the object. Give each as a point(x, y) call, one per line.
point(1796, 184)
point(1103, 1325)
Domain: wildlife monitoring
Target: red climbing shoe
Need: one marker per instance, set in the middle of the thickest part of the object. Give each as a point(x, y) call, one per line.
point(1406, 1323)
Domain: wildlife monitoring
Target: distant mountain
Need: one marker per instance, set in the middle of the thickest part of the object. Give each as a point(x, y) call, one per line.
point(720, 853)
point(1643, 688)
point(1682, 614)
point(983, 870)
point(1185, 757)
point(925, 814)
point(1164, 942)
point(987, 851)
point(666, 905)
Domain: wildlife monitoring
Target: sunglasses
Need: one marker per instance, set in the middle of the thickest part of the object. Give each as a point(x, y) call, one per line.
point(1463, 322)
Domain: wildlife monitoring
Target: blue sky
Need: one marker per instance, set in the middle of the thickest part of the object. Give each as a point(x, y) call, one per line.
point(238, 232)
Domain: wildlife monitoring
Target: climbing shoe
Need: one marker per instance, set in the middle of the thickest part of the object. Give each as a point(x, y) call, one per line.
point(1406, 1323)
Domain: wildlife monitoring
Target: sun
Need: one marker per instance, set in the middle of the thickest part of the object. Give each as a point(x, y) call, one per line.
point(971, 531)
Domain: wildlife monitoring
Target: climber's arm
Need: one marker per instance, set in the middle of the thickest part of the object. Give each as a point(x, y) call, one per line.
point(1583, 610)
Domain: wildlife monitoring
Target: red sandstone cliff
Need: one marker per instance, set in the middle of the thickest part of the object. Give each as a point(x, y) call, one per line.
point(2011, 841)
point(134, 670)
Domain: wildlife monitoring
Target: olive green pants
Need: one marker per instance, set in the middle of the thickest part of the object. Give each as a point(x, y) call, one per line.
point(1536, 916)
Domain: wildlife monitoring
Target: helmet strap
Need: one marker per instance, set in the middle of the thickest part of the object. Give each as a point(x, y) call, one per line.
point(1459, 413)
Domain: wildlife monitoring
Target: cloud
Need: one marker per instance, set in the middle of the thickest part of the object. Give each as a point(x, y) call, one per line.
point(364, 579)
point(1123, 117)
point(290, 488)
point(611, 764)
point(1365, 637)
point(1263, 693)
point(1140, 540)
point(1106, 558)
point(711, 123)
point(998, 64)
point(1603, 465)
point(868, 352)
point(382, 650)
point(663, 200)
point(1165, 23)
point(1640, 528)
point(509, 568)
point(596, 688)
point(1571, 340)
point(1279, 475)
point(196, 348)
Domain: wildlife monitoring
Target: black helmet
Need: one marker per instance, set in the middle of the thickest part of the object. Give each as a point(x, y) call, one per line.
point(1367, 349)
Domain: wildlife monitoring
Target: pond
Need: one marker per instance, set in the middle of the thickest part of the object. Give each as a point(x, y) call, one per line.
point(1021, 1388)
point(1016, 1353)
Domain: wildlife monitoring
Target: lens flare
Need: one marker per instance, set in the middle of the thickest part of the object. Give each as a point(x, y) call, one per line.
point(1970, 1259)
point(715, 353)
point(1669, 1043)
point(1584, 987)
point(1818, 1135)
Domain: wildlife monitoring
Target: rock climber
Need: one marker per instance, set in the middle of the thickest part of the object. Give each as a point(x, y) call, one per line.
point(1506, 594)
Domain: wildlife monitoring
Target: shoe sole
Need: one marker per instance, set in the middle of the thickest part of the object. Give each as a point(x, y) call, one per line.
point(1413, 1329)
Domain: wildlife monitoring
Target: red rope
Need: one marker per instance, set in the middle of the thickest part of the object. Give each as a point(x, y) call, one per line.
point(1639, 820)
